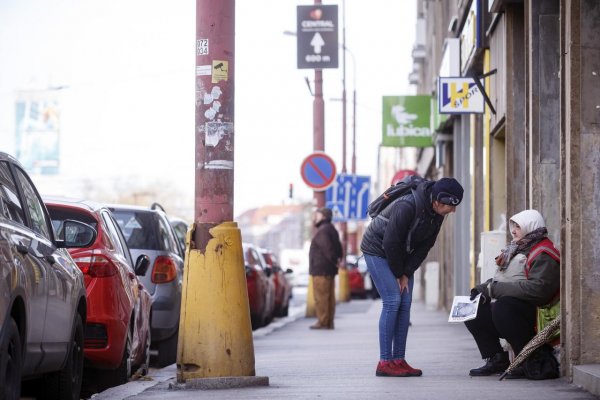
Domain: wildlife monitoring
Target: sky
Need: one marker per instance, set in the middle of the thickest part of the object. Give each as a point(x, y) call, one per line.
point(126, 73)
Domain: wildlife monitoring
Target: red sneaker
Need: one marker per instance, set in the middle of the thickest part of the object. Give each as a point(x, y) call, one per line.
point(411, 371)
point(389, 368)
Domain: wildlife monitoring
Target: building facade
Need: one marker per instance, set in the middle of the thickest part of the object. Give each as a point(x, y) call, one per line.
point(534, 146)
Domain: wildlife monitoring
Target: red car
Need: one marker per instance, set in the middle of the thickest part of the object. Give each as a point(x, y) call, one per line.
point(283, 287)
point(117, 330)
point(261, 288)
point(361, 284)
point(356, 280)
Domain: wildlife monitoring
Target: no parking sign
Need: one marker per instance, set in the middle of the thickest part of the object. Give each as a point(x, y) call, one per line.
point(318, 171)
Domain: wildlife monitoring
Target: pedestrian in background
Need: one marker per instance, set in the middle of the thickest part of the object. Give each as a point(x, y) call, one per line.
point(324, 256)
point(527, 277)
point(394, 245)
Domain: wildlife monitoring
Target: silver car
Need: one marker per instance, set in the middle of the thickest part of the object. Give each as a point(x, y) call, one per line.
point(148, 231)
point(42, 302)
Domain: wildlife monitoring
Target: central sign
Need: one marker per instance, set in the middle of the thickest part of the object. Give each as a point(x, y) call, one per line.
point(317, 33)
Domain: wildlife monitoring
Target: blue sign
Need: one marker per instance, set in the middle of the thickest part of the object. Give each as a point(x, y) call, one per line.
point(318, 171)
point(348, 197)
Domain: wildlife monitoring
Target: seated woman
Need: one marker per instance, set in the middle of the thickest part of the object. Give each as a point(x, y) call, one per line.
point(528, 276)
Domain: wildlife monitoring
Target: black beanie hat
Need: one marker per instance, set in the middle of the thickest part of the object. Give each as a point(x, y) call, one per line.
point(326, 212)
point(447, 191)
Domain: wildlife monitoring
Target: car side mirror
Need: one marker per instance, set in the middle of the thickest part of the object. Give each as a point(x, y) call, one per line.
point(76, 234)
point(141, 265)
point(268, 271)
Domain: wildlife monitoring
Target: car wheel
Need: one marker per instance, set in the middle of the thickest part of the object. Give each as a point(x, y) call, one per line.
point(66, 384)
point(121, 375)
point(255, 321)
point(167, 350)
point(10, 367)
point(146, 360)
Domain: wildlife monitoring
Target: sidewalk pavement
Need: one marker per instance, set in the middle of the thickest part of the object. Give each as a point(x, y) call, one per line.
point(340, 364)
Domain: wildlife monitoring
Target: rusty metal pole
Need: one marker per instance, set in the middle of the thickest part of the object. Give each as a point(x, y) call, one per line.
point(319, 124)
point(344, 283)
point(344, 224)
point(318, 145)
point(353, 235)
point(319, 127)
point(215, 72)
point(215, 333)
point(354, 130)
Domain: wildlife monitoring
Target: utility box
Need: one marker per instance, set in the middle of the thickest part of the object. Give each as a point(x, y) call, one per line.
point(492, 243)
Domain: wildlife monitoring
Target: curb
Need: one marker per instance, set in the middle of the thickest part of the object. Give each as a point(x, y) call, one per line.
point(159, 376)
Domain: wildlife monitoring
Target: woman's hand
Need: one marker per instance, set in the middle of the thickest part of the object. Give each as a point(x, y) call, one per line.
point(403, 283)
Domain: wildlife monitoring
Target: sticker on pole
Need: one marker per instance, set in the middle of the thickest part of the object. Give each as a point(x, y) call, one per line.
point(318, 171)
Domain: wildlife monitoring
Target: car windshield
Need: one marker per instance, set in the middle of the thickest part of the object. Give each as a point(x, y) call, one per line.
point(143, 230)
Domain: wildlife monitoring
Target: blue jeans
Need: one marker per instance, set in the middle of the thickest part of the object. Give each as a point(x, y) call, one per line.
point(395, 313)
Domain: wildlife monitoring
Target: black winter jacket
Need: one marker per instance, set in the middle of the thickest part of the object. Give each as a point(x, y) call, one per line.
point(325, 250)
point(386, 235)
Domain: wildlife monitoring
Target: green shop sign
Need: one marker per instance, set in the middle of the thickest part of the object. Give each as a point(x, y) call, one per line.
point(406, 121)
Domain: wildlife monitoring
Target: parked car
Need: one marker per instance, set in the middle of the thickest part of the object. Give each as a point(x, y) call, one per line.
point(283, 285)
point(297, 260)
point(148, 231)
point(361, 283)
point(117, 331)
point(261, 288)
point(356, 281)
point(43, 303)
point(180, 227)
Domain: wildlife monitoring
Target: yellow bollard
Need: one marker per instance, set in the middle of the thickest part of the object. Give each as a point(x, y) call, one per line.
point(215, 335)
point(311, 311)
point(344, 285)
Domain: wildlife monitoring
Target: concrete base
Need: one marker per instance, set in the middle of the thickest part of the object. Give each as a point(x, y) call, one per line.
point(230, 382)
point(587, 377)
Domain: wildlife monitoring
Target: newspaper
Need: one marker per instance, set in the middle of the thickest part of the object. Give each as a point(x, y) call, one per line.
point(463, 308)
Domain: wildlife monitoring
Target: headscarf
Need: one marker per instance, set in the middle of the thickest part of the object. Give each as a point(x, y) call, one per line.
point(534, 228)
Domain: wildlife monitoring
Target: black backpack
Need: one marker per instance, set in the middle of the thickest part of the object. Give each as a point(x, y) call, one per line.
point(394, 192)
point(541, 364)
point(404, 187)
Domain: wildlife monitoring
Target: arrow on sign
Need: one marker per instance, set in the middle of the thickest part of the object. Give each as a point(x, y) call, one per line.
point(317, 42)
point(348, 193)
point(361, 192)
point(335, 210)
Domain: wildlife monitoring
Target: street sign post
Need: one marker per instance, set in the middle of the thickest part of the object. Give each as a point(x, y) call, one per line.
point(318, 171)
point(317, 33)
point(348, 197)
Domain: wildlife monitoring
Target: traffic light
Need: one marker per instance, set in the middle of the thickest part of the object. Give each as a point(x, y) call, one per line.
point(291, 193)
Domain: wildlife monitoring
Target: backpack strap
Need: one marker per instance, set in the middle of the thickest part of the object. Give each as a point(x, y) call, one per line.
point(415, 222)
point(418, 211)
point(544, 246)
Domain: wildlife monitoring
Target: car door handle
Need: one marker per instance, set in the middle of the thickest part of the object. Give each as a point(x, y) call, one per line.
point(22, 249)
